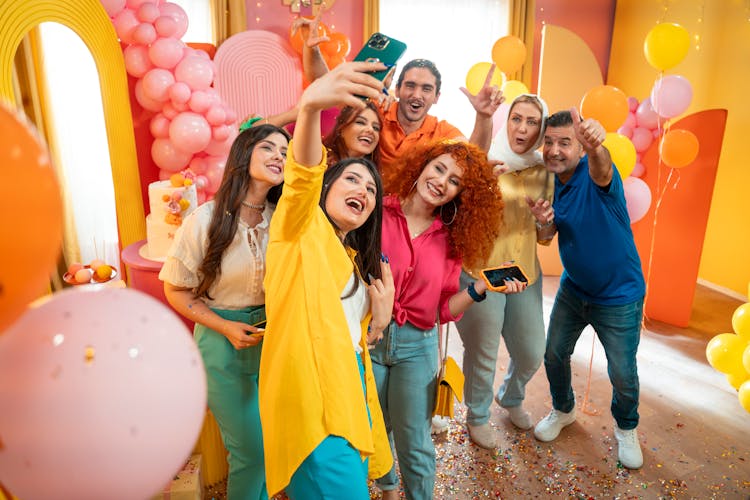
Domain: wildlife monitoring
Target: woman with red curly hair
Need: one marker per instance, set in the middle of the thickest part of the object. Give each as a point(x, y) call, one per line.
point(445, 209)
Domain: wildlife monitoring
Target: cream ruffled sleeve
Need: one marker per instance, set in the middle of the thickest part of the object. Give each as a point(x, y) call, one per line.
point(188, 249)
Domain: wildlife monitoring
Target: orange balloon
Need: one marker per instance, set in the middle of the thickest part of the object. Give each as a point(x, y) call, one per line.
point(678, 148)
point(338, 45)
point(298, 41)
point(606, 104)
point(334, 61)
point(33, 233)
point(509, 54)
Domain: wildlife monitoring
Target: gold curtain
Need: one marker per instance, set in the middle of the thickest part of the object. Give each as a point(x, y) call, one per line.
point(521, 24)
point(229, 17)
point(371, 18)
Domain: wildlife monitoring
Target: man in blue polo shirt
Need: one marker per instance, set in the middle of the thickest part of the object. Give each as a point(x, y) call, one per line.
point(602, 284)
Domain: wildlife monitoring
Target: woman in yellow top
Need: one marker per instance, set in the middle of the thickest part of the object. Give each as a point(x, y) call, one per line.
point(319, 408)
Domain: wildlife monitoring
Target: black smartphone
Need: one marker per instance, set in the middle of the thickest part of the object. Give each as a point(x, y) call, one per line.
point(382, 48)
point(260, 325)
point(495, 277)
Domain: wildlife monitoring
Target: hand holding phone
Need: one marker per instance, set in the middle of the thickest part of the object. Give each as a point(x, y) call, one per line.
point(384, 49)
point(496, 277)
point(260, 329)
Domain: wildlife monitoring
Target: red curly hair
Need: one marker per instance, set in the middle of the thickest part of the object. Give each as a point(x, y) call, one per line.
point(479, 204)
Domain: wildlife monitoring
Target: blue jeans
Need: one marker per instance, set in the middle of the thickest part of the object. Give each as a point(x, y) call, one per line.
point(619, 331)
point(334, 470)
point(232, 379)
point(519, 318)
point(405, 365)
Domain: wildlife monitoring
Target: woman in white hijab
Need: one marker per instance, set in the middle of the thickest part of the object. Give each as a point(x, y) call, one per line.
point(518, 317)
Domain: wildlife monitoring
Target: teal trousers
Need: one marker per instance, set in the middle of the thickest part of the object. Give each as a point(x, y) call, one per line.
point(232, 379)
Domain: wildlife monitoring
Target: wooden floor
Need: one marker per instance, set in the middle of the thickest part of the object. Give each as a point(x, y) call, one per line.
point(694, 434)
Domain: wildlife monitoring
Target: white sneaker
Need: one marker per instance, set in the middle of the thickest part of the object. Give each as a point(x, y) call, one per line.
point(550, 426)
point(439, 424)
point(520, 417)
point(628, 448)
point(484, 436)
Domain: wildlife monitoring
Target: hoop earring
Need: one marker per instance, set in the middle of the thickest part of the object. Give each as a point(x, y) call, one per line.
point(455, 212)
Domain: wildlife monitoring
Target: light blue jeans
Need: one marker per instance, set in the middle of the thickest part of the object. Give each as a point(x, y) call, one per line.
point(405, 365)
point(232, 379)
point(334, 470)
point(619, 331)
point(519, 318)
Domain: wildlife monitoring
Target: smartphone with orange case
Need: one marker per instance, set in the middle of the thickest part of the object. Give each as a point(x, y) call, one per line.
point(496, 277)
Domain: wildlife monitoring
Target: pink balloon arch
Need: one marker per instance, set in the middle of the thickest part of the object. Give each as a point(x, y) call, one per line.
point(190, 119)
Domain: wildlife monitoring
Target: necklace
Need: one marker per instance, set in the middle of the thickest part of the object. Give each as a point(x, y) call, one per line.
point(261, 206)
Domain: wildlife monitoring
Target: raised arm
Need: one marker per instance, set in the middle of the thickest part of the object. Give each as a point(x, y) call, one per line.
point(485, 103)
point(591, 134)
point(342, 86)
point(313, 64)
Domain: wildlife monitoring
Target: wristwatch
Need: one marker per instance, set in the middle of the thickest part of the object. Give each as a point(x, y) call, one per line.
point(473, 293)
point(541, 226)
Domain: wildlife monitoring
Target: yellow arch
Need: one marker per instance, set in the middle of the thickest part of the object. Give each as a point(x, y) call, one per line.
point(88, 19)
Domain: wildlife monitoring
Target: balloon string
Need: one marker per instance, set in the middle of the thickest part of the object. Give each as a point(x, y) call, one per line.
point(585, 407)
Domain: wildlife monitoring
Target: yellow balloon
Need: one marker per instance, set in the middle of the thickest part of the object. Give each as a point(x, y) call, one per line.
point(744, 395)
point(724, 352)
point(746, 359)
point(737, 379)
point(478, 74)
point(666, 45)
point(741, 321)
point(622, 152)
point(512, 89)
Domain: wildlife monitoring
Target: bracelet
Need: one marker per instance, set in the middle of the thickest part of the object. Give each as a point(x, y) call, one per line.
point(547, 224)
point(473, 293)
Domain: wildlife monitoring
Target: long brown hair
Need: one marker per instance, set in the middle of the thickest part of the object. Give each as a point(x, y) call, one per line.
point(228, 201)
point(478, 207)
point(334, 142)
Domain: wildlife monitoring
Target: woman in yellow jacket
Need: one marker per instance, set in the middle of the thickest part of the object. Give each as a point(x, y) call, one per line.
point(322, 423)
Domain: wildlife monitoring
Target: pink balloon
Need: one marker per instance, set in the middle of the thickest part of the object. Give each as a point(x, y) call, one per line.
point(96, 382)
point(202, 197)
point(641, 139)
point(190, 132)
point(178, 15)
point(125, 23)
point(638, 170)
point(221, 132)
point(632, 104)
point(216, 115)
point(180, 106)
point(199, 101)
point(231, 116)
point(144, 34)
point(137, 62)
point(169, 110)
point(179, 93)
point(671, 96)
point(166, 26)
point(646, 116)
point(113, 7)
point(197, 72)
point(214, 173)
point(164, 175)
point(166, 52)
point(201, 182)
point(148, 12)
point(630, 121)
point(144, 100)
point(626, 131)
point(637, 198)
point(221, 148)
point(135, 4)
point(159, 126)
point(168, 157)
point(198, 166)
point(156, 83)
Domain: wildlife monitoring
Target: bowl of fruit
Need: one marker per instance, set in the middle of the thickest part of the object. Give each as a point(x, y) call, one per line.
point(95, 272)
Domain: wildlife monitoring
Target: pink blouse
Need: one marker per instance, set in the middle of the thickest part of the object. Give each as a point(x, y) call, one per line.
point(424, 275)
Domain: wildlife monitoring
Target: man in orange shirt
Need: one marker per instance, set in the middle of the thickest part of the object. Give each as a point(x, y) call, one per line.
point(408, 123)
